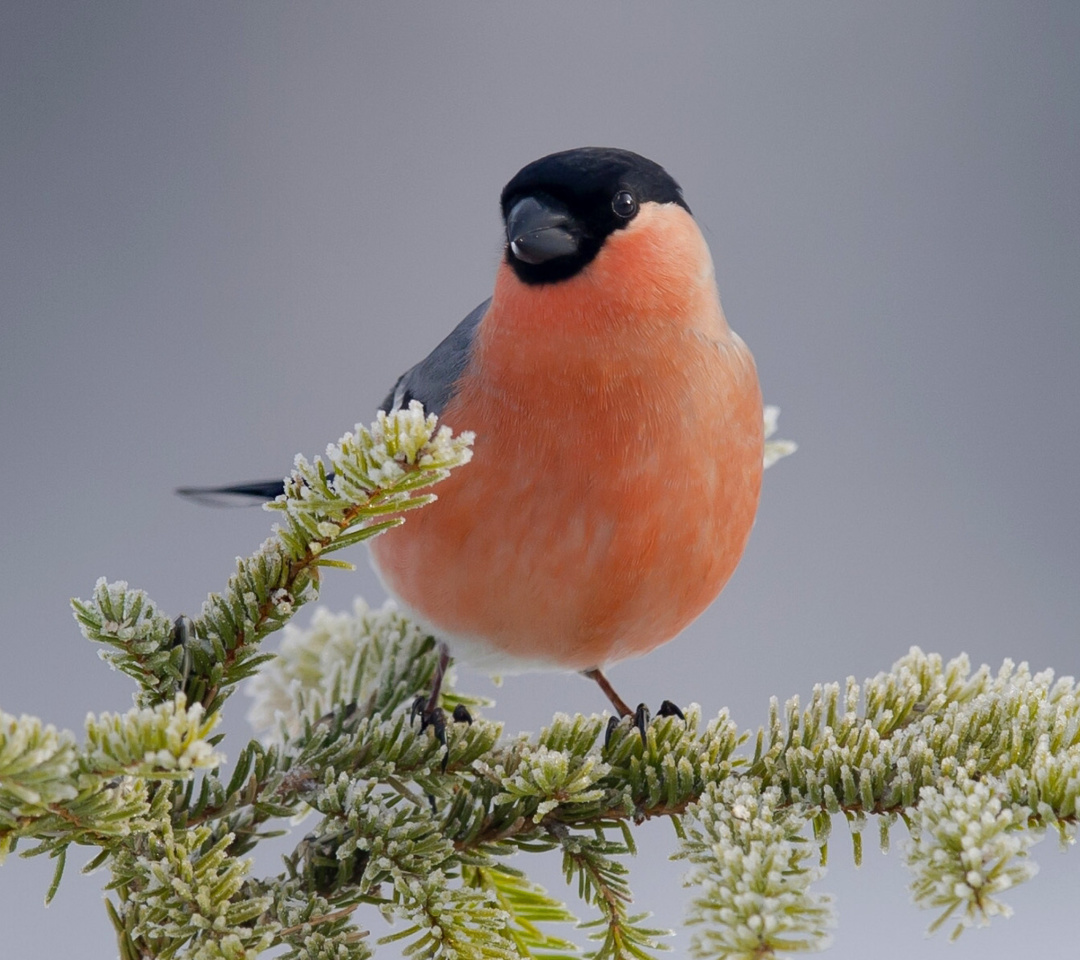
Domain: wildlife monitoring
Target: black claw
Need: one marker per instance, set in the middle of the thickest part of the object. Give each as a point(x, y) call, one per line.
point(436, 719)
point(669, 709)
point(432, 717)
point(461, 714)
point(347, 714)
point(419, 709)
point(641, 719)
point(612, 726)
point(438, 724)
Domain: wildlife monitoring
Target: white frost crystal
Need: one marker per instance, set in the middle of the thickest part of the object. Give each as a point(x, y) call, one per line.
point(775, 449)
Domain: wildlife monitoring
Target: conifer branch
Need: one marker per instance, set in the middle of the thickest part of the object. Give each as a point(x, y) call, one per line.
point(974, 765)
point(369, 478)
point(58, 792)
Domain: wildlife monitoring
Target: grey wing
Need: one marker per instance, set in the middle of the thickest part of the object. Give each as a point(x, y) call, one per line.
point(433, 379)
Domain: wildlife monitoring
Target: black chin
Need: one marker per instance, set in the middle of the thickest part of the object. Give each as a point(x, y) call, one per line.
point(559, 268)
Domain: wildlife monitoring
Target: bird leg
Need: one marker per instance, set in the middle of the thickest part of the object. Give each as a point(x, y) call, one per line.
point(641, 715)
point(428, 709)
point(609, 691)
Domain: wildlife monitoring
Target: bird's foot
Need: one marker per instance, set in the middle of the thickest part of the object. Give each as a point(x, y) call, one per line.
point(641, 718)
point(431, 715)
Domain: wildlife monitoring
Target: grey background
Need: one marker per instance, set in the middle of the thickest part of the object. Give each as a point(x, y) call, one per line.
point(226, 228)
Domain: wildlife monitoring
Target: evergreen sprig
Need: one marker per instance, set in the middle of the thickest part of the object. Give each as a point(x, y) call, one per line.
point(58, 792)
point(751, 873)
point(369, 478)
point(526, 905)
point(967, 849)
point(602, 880)
point(139, 636)
point(182, 894)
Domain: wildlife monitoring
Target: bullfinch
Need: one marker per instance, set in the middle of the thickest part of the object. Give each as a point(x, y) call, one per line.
point(619, 434)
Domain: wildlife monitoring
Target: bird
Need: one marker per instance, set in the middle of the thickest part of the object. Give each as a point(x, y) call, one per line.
point(619, 436)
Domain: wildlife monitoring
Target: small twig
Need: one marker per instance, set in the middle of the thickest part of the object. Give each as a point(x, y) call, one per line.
point(325, 918)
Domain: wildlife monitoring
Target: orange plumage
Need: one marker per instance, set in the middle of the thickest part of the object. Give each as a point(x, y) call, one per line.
point(617, 462)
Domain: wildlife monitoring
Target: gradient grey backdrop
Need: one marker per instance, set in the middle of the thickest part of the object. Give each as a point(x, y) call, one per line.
point(227, 227)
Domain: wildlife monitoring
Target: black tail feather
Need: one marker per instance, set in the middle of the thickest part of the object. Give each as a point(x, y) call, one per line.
point(239, 494)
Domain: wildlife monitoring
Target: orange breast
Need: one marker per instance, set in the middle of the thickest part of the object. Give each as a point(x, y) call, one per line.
point(616, 468)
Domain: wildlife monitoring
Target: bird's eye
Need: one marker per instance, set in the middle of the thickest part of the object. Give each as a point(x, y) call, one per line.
point(624, 204)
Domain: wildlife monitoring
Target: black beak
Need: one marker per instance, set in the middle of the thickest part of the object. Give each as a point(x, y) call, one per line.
point(538, 231)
